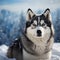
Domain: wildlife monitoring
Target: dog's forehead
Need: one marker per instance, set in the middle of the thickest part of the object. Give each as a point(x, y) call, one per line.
point(38, 18)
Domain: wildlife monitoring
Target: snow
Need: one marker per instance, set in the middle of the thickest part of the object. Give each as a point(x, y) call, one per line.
point(3, 51)
point(56, 47)
point(55, 52)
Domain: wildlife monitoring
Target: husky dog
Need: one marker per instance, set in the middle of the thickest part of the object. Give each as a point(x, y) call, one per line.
point(38, 36)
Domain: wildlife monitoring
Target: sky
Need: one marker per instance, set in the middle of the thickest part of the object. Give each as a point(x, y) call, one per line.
point(19, 5)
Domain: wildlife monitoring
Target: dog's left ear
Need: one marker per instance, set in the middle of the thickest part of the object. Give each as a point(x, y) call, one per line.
point(30, 14)
point(47, 14)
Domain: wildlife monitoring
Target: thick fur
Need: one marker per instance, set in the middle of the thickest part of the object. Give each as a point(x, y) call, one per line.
point(38, 37)
point(15, 50)
point(39, 30)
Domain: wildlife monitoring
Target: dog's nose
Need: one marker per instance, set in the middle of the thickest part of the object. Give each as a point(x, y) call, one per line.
point(38, 32)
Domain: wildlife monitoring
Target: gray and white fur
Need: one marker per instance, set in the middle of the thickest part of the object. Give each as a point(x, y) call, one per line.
point(38, 36)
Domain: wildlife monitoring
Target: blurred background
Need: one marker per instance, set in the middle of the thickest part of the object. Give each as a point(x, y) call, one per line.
point(13, 17)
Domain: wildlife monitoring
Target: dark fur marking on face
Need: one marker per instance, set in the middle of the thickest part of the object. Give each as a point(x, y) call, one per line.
point(35, 18)
point(28, 23)
point(42, 17)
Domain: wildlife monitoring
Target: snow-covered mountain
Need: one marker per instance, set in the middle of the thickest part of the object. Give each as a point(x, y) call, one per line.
point(55, 52)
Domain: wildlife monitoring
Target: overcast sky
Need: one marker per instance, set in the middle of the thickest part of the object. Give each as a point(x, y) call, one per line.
point(18, 5)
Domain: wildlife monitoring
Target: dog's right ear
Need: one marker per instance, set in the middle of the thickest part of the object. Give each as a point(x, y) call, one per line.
point(47, 14)
point(30, 14)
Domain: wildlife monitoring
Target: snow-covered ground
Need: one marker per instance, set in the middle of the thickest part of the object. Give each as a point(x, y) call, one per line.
point(55, 52)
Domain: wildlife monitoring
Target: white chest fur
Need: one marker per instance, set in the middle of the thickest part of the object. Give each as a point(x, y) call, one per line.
point(40, 44)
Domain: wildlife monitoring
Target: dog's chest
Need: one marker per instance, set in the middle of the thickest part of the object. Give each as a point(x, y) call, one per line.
point(34, 48)
point(40, 48)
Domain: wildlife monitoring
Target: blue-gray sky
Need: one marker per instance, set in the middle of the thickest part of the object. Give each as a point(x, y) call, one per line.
point(17, 5)
point(2, 2)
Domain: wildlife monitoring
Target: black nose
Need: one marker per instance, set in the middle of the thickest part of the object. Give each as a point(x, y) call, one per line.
point(38, 32)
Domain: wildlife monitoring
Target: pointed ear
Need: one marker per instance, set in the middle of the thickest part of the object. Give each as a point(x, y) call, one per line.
point(47, 14)
point(30, 14)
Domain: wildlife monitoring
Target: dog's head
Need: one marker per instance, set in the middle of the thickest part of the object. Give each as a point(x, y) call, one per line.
point(38, 26)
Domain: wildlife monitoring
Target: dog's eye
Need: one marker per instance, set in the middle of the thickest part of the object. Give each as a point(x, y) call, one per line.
point(43, 24)
point(34, 25)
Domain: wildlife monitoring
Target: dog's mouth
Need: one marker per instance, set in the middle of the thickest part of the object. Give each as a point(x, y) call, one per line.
point(38, 35)
point(35, 36)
